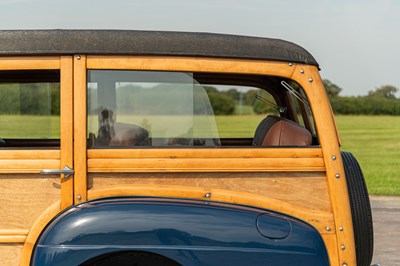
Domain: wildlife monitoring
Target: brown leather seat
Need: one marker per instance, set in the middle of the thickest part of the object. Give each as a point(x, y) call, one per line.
point(278, 131)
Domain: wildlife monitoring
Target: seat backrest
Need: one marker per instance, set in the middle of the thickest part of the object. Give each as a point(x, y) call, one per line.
point(278, 131)
point(129, 135)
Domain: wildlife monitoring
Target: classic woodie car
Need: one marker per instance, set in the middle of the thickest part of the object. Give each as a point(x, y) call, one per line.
point(172, 148)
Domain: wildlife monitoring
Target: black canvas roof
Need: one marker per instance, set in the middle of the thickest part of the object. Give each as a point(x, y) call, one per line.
point(116, 42)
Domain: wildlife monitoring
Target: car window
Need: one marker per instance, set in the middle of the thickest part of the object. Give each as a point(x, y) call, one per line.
point(173, 109)
point(138, 108)
point(300, 105)
point(239, 109)
point(29, 108)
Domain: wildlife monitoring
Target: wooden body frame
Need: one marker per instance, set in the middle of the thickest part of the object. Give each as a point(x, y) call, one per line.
point(31, 194)
point(285, 168)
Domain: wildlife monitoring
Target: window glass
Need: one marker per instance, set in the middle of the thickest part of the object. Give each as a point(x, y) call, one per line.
point(29, 108)
point(166, 109)
point(139, 108)
point(239, 109)
point(301, 106)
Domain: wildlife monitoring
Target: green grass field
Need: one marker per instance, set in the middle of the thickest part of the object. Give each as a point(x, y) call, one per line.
point(374, 140)
point(29, 126)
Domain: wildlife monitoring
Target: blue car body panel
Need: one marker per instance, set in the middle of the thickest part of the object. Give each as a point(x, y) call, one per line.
point(187, 231)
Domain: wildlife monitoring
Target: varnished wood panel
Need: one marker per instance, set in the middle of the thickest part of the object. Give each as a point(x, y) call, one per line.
point(80, 164)
point(329, 141)
point(66, 125)
point(206, 153)
point(24, 197)
point(205, 165)
point(25, 194)
point(27, 165)
point(205, 160)
point(319, 219)
point(10, 254)
point(36, 229)
point(302, 195)
point(308, 190)
point(194, 64)
point(13, 235)
point(29, 154)
point(28, 161)
point(331, 244)
point(29, 63)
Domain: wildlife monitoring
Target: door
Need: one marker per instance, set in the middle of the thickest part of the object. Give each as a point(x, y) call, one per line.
point(36, 124)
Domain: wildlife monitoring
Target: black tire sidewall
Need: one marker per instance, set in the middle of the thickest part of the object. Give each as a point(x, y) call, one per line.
point(360, 209)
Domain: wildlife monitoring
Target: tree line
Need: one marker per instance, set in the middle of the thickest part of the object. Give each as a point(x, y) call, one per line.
point(227, 102)
point(381, 101)
point(30, 99)
point(44, 99)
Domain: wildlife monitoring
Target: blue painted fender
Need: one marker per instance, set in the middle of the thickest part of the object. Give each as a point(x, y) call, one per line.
point(186, 231)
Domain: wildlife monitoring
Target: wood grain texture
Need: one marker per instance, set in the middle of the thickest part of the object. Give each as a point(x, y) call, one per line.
point(206, 160)
point(12, 239)
point(29, 154)
point(10, 254)
point(195, 64)
point(318, 218)
point(66, 126)
point(35, 231)
point(205, 165)
point(29, 63)
point(13, 166)
point(13, 235)
point(80, 129)
point(331, 243)
point(308, 190)
point(206, 153)
point(28, 161)
point(24, 197)
point(300, 182)
point(329, 141)
point(303, 195)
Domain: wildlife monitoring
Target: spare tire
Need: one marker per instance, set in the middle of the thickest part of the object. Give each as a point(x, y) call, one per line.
point(360, 209)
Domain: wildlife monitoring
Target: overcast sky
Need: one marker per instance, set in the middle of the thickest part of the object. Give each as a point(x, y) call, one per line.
point(356, 42)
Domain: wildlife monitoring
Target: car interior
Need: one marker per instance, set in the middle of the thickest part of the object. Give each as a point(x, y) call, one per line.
point(111, 118)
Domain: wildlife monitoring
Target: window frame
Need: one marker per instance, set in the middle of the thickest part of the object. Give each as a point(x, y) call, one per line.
point(246, 159)
point(255, 82)
point(44, 77)
point(34, 159)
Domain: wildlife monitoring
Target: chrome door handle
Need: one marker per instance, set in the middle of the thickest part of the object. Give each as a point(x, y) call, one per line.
point(66, 172)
